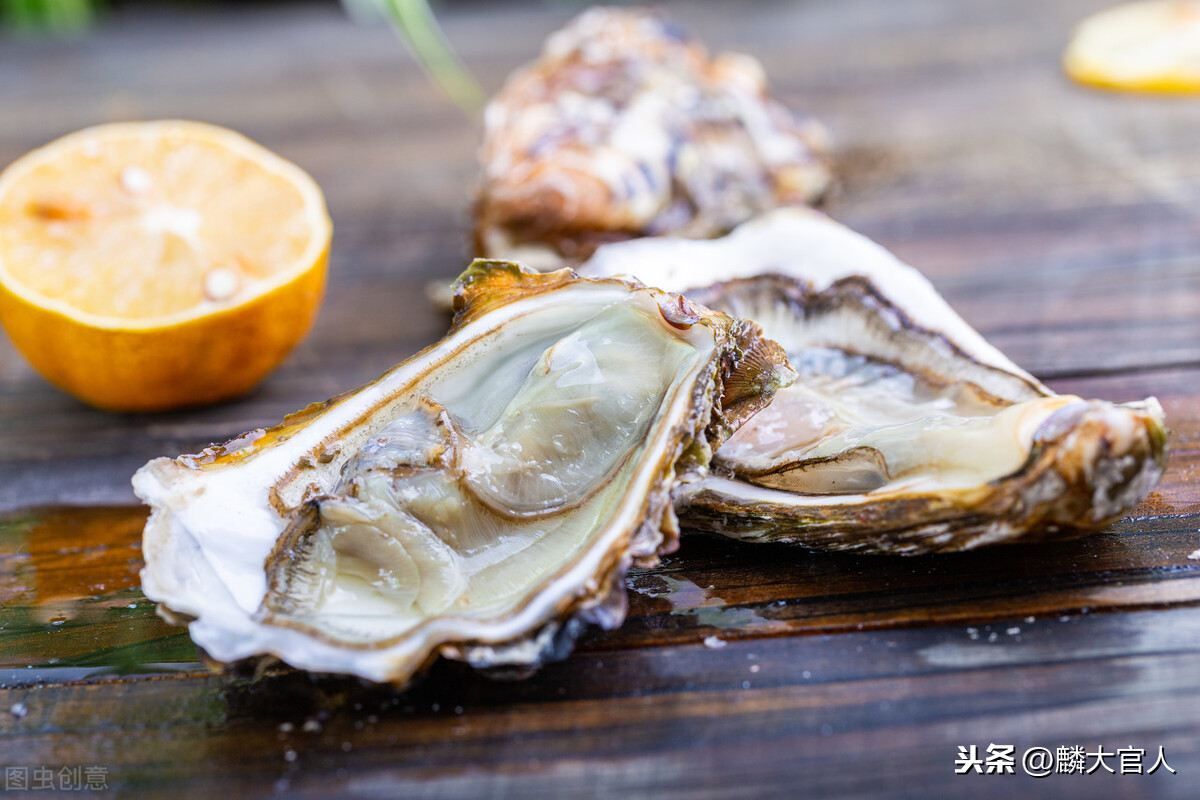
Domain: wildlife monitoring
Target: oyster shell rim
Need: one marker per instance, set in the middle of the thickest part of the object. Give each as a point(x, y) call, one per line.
point(700, 422)
point(701, 269)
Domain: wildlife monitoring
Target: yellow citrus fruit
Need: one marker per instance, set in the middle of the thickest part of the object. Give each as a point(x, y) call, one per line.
point(1150, 46)
point(154, 265)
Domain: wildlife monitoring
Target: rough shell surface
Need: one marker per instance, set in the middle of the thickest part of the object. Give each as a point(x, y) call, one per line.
point(625, 127)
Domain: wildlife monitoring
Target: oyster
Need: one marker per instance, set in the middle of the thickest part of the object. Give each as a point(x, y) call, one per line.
point(481, 500)
point(625, 127)
point(906, 431)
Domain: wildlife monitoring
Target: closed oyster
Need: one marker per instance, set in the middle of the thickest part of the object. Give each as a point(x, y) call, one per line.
point(625, 127)
point(481, 500)
point(906, 431)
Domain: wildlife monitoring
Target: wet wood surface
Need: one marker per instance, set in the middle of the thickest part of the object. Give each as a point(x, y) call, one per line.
point(1060, 221)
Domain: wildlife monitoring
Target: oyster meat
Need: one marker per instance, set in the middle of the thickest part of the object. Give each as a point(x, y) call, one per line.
point(625, 127)
point(906, 431)
point(481, 500)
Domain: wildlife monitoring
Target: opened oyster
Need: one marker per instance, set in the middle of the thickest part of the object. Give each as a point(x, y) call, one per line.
point(625, 127)
point(481, 500)
point(906, 432)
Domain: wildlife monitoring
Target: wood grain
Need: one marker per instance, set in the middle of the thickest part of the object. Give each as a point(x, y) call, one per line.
point(868, 713)
point(1060, 221)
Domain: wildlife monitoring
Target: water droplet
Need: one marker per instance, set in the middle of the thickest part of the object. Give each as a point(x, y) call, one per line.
point(220, 284)
point(136, 180)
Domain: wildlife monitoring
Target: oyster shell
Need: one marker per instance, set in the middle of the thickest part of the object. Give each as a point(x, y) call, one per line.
point(906, 431)
point(482, 500)
point(625, 127)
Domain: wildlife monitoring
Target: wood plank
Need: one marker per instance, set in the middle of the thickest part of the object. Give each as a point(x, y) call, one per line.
point(679, 721)
point(1059, 221)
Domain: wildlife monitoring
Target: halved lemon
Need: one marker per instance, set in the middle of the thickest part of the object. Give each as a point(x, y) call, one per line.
point(1150, 46)
point(154, 265)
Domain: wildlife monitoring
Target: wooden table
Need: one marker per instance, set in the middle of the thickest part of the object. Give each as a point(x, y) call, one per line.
point(1062, 222)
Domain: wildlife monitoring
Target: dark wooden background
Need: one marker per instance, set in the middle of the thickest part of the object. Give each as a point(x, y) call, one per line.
point(1064, 223)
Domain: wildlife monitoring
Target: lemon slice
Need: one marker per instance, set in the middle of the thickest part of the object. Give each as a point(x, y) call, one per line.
point(1151, 46)
point(153, 265)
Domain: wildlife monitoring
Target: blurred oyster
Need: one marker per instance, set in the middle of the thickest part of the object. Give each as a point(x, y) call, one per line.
point(624, 128)
point(482, 500)
point(906, 431)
